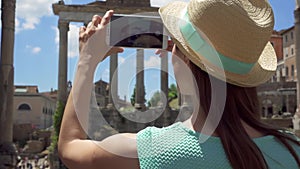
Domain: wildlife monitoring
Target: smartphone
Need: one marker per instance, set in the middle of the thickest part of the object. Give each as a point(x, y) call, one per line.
point(136, 31)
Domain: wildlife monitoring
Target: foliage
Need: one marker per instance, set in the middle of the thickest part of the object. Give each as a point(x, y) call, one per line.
point(174, 104)
point(53, 146)
point(173, 94)
point(156, 98)
point(132, 99)
point(127, 109)
point(57, 118)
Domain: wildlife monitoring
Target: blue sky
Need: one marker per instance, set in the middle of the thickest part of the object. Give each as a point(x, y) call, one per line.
point(36, 45)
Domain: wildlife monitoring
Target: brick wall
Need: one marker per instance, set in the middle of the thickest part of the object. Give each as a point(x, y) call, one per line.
point(276, 40)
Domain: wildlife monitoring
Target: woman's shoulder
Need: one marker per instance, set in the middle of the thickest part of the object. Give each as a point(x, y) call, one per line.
point(153, 131)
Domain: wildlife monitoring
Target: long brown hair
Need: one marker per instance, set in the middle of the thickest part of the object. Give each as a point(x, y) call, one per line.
point(241, 105)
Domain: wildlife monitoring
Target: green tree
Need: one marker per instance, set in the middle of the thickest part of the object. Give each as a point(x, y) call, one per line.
point(173, 94)
point(132, 98)
point(57, 118)
point(154, 99)
point(157, 96)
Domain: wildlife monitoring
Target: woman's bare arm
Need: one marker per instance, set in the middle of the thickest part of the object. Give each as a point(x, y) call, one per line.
point(118, 151)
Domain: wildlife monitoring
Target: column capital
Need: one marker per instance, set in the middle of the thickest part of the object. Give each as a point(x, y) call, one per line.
point(8, 9)
point(63, 24)
point(9, 5)
point(297, 15)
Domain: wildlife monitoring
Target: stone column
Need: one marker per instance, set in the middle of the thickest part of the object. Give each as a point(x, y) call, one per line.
point(113, 80)
point(297, 49)
point(63, 27)
point(7, 148)
point(164, 85)
point(7, 70)
point(287, 102)
point(179, 96)
point(140, 88)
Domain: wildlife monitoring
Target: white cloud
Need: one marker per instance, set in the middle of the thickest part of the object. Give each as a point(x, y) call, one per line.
point(121, 60)
point(73, 44)
point(153, 61)
point(105, 75)
point(34, 50)
point(159, 3)
point(30, 23)
point(56, 34)
point(29, 12)
point(17, 23)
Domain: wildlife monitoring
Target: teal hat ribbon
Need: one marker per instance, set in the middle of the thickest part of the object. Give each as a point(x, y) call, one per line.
point(199, 45)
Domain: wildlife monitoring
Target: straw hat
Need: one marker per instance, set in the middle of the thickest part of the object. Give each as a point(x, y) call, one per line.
point(235, 32)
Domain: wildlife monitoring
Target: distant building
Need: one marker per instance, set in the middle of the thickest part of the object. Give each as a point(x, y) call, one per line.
point(289, 54)
point(102, 95)
point(32, 107)
point(276, 41)
point(279, 94)
point(52, 94)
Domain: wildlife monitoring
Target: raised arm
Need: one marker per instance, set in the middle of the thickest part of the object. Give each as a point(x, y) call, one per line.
point(118, 151)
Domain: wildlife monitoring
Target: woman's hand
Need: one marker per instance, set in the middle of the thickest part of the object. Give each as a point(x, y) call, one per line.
point(162, 52)
point(92, 40)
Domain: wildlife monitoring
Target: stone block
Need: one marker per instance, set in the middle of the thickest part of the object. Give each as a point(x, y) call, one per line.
point(34, 146)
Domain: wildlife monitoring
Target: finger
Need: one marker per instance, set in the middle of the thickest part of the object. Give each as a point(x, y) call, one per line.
point(90, 24)
point(168, 49)
point(106, 18)
point(82, 30)
point(82, 34)
point(91, 28)
point(113, 50)
point(118, 49)
point(96, 20)
point(91, 31)
point(161, 53)
point(84, 37)
point(170, 45)
point(158, 51)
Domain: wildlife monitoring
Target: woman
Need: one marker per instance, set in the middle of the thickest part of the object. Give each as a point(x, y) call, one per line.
point(242, 59)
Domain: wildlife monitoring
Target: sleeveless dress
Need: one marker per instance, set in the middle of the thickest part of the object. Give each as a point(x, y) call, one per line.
point(178, 147)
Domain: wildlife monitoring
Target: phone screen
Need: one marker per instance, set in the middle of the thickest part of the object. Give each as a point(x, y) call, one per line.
point(137, 32)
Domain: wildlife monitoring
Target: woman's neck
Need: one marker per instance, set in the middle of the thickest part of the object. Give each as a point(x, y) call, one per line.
point(197, 121)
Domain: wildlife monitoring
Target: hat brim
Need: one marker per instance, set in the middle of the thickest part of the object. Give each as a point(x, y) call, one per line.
point(260, 73)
